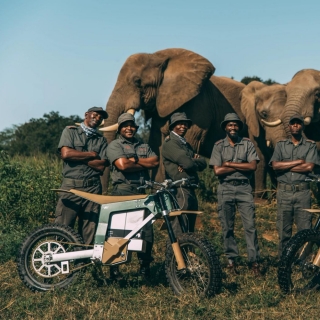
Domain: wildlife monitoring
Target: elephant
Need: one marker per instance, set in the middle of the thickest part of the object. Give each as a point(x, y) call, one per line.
point(174, 80)
point(303, 97)
point(263, 105)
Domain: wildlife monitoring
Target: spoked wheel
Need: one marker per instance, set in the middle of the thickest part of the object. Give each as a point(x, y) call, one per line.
point(34, 270)
point(296, 272)
point(203, 273)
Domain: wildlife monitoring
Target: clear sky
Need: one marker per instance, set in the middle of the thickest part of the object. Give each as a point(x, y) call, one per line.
point(65, 55)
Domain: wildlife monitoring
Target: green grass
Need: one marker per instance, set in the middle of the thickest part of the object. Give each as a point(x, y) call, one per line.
point(242, 296)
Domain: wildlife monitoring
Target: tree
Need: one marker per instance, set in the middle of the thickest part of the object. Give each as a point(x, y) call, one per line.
point(36, 136)
point(247, 80)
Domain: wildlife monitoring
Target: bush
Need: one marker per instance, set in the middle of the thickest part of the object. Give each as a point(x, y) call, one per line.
point(25, 195)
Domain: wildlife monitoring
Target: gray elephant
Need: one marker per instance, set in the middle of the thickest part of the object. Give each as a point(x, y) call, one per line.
point(267, 107)
point(262, 106)
point(170, 80)
point(303, 97)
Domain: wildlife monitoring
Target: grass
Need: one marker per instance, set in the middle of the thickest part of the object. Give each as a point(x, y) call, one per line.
point(241, 297)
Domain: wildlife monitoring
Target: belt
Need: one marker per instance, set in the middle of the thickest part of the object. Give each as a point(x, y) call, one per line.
point(293, 187)
point(79, 183)
point(237, 182)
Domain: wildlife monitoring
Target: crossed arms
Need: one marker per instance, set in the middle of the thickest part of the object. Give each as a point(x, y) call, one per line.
point(91, 158)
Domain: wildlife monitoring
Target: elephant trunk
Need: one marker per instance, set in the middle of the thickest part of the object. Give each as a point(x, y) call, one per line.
point(293, 106)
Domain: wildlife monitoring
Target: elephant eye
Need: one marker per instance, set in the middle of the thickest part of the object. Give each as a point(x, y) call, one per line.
point(264, 114)
point(137, 82)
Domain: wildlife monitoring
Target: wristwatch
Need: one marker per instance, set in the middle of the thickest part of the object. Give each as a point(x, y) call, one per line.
point(136, 158)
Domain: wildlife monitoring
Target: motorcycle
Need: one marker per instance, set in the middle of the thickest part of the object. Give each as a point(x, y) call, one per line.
point(52, 255)
point(299, 266)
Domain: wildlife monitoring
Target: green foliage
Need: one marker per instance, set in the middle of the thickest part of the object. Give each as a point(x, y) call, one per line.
point(36, 136)
point(247, 80)
point(25, 195)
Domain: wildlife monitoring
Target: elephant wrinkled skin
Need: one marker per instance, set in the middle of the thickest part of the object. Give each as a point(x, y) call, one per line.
point(170, 80)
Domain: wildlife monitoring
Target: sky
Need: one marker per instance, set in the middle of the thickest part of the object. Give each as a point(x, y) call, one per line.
point(65, 55)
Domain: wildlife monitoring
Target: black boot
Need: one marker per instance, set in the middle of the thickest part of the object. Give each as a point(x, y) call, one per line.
point(144, 269)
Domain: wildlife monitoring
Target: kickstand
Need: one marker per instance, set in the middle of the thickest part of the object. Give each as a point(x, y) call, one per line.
point(101, 275)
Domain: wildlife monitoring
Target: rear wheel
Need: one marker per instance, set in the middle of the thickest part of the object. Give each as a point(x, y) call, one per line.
point(296, 272)
point(38, 274)
point(202, 275)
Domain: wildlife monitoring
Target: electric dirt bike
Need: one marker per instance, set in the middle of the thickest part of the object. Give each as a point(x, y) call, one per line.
point(52, 255)
point(299, 266)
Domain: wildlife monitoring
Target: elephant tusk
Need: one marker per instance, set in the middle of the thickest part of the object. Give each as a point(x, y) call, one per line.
point(268, 143)
point(115, 126)
point(271, 124)
point(131, 111)
point(307, 120)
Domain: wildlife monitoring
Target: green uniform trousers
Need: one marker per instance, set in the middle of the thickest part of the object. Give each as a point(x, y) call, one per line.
point(230, 196)
point(187, 200)
point(290, 206)
point(70, 206)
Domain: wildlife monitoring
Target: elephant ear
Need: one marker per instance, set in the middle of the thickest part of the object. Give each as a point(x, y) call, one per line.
point(182, 80)
point(248, 106)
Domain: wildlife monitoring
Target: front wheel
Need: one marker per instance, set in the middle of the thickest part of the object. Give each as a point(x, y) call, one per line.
point(296, 271)
point(38, 274)
point(202, 275)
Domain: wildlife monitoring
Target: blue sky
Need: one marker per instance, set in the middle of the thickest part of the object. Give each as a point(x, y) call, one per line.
point(65, 55)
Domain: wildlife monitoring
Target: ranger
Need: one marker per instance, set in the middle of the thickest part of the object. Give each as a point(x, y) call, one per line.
point(84, 154)
point(234, 159)
point(130, 161)
point(180, 161)
point(292, 160)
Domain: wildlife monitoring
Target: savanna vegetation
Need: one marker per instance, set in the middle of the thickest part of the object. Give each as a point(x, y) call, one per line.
point(27, 202)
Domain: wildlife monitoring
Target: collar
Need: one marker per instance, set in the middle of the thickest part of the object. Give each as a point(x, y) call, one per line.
point(302, 141)
point(226, 142)
point(182, 139)
point(124, 140)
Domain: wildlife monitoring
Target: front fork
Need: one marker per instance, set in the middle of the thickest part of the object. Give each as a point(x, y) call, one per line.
point(173, 240)
point(308, 246)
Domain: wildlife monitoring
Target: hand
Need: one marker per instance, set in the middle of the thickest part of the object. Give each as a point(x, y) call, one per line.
point(196, 156)
point(180, 169)
point(94, 155)
point(226, 164)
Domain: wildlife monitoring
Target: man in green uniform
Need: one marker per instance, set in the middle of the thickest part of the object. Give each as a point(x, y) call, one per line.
point(130, 161)
point(84, 154)
point(234, 159)
point(292, 160)
point(180, 161)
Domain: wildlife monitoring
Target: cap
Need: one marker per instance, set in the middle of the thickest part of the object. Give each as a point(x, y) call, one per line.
point(297, 117)
point(126, 117)
point(99, 110)
point(231, 117)
point(178, 116)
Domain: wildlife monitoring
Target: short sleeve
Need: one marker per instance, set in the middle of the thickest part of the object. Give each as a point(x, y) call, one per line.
point(103, 150)
point(115, 151)
point(66, 139)
point(252, 153)
point(312, 155)
point(276, 154)
point(216, 157)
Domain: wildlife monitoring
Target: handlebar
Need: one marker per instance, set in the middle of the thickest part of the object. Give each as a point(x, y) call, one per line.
point(313, 177)
point(168, 183)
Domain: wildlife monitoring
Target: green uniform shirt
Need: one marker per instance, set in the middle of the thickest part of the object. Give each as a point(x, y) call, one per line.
point(176, 153)
point(242, 152)
point(285, 150)
point(75, 138)
point(123, 148)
